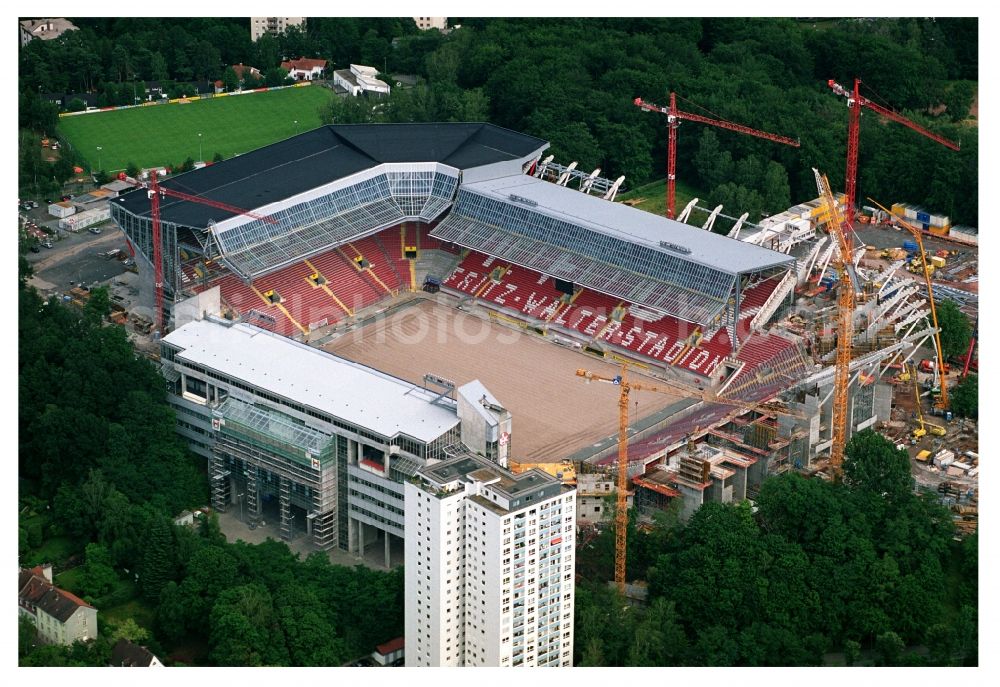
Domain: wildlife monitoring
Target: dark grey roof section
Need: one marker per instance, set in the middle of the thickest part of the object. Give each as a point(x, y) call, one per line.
point(60, 604)
point(126, 654)
point(314, 158)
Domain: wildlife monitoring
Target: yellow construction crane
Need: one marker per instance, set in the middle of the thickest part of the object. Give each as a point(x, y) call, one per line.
point(626, 386)
point(845, 323)
point(621, 511)
point(936, 430)
point(942, 400)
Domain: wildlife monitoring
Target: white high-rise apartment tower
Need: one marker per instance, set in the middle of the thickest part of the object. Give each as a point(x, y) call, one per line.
point(489, 566)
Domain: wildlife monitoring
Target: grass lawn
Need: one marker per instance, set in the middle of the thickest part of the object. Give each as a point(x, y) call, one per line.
point(168, 134)
point(654, 197)
point(69, 579)
point(54, 550)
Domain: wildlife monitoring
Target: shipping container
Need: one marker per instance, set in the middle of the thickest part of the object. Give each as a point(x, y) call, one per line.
point(972, 454)
point(940, 220)
point(961, 466)
point(923, 217)
point(964, 234)
point(923, 456)
point(910, 246)
point(85, 219)
point(63, 209)
point(939, 231)
point(938, 262)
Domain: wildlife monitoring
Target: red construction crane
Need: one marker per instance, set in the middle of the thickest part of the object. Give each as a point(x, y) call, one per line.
point(855, 101)
point(155, 191)
point(674, 117)
point(972, 349)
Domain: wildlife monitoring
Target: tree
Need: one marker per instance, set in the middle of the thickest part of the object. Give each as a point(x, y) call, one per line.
point(230, 80)
point(852, 652)
point(98, 305)
point(132, 170)
point(776, 192)
point(27, 636)
point(955, 329)
point(98, 576)
point(242, 628)
point(964, 397)
point(130, 630)
point(873, 464)
point(889, 648)
point(217, 157)
point(713, 165)
point(76, 105)
point(157, 566)
point(276, 76)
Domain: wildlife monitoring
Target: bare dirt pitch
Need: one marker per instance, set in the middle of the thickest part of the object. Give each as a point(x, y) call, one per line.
point(555, 413)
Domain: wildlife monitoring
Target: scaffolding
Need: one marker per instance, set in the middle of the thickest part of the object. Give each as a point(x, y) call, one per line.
point(266, 452)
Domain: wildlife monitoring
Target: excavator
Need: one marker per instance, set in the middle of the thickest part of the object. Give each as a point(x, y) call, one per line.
point(936, 430)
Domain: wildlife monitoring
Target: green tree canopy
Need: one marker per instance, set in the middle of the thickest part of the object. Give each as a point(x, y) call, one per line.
point(873, 463)
point(956, 330)
point(964, 398)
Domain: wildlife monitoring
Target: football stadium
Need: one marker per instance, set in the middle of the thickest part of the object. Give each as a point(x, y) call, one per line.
point(350, 305)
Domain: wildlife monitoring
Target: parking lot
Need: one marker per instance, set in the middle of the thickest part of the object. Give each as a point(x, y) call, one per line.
point(74, 258)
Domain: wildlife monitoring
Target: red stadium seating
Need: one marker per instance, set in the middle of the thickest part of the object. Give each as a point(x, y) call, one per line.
point(591, 314)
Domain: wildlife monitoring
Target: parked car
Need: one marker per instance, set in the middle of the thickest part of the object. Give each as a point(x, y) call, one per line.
point(47, 244)
point(94, 230)
point(35, 248)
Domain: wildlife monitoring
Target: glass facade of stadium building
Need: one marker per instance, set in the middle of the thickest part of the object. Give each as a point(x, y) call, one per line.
point(326, 217)
point(316, 221)
point(303, 471)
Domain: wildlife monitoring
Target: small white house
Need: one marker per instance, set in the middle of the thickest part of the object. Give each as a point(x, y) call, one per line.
point(63, 209)
point(304, 69)
point(388, 653)
point(359, 79)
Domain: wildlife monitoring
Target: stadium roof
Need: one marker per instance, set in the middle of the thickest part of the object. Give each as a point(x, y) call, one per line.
point(636, 226)
point(289, 167)
point(648, 260)
point(349, 391)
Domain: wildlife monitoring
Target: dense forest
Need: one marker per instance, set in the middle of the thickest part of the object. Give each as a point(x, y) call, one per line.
point(572, 82)
point(861, 572)
point(102, 474)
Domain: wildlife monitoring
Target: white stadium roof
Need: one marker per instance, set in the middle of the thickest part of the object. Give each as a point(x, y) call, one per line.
point(346, 390)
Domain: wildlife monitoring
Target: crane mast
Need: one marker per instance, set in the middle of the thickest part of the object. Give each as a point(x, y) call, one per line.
point(674, 118)
point(845, 324)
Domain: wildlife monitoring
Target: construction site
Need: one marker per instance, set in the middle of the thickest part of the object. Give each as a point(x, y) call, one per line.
point(454, 256)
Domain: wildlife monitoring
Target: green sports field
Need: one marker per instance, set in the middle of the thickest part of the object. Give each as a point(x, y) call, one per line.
point(164, 135)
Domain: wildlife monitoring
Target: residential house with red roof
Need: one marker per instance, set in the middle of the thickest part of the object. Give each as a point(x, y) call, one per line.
point(304, 68)
point(59, 616)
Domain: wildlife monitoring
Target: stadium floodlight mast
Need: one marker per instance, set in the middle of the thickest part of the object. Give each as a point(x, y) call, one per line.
point(296, 126)
point(99, 166)
point(200, 158)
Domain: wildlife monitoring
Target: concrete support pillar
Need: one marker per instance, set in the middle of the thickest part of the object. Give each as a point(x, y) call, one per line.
point(350, 535)
point(361, 539)
point(388, 550)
